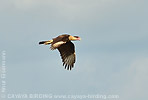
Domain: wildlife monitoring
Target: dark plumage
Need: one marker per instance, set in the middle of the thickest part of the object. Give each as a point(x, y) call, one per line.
point(66, 48)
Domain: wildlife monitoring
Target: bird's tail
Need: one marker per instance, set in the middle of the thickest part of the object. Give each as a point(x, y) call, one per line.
point(46, 42)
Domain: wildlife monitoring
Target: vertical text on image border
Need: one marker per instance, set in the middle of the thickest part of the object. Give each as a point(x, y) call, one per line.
point(3, 74)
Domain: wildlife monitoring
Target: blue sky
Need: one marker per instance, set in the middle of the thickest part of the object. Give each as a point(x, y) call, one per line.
point(111, 57)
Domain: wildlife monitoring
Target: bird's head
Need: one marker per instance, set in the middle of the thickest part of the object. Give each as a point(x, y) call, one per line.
point(74, 38)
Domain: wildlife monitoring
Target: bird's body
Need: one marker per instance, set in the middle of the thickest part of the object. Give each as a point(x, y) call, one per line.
point(66, 48)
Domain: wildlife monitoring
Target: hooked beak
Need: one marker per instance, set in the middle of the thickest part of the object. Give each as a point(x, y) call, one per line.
point(79, 38)
point(74, 38)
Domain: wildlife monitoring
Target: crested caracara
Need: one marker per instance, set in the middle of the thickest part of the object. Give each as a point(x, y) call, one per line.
point(66, 48)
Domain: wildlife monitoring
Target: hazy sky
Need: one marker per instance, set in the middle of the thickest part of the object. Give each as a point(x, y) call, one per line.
point(112, 57)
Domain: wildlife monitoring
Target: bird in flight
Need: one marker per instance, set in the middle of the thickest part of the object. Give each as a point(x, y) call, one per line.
point(66, 48)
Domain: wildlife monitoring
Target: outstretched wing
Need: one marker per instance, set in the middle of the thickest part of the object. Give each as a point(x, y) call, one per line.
point(67, 52)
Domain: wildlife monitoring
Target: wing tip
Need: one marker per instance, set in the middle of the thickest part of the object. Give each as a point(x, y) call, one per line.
point(68, 67)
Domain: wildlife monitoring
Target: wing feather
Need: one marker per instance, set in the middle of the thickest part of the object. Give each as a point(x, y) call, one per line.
point(67, 52)
point(56, 45)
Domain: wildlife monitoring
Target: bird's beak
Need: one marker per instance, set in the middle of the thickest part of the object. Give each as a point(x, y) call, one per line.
point(79, 38)
point(72, 38)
